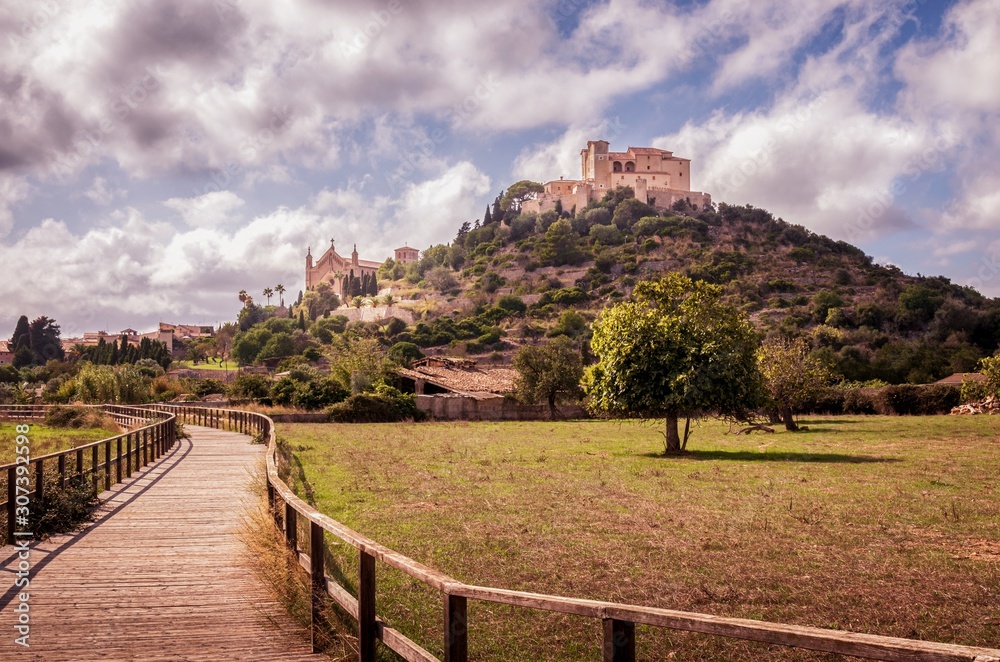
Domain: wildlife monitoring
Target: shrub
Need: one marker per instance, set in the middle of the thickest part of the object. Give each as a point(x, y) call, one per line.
point(385, 405)
point(918, 399)
point(78, 418)
point(203, 387)
point(250, 387)
point(62, 509)
point(511, 304)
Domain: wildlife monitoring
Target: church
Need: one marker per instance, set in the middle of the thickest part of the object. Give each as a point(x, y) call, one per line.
point(349, 277)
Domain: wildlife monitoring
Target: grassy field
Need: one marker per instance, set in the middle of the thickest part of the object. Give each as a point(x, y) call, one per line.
point(46, 439)
point(874, 524)
point(230, 366)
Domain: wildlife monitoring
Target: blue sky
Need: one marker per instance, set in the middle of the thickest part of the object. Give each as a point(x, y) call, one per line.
point(157, 157)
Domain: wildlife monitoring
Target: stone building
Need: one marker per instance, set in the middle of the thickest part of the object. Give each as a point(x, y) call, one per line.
point(332, 268)
point(657, 176)
point(405, 255)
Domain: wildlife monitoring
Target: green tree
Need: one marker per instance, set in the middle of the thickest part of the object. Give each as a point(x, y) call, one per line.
point(676, 349)
point(45, 344)
point(791, 375)
point(991, 368)
point(280, 290)
point(562, 245)
point(268, 293)
point(543, 372)
point(519, 192)
point(20, 342)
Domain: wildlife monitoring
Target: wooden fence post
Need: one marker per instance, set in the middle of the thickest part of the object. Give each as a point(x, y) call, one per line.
point(62, 471)
point(619, 641)
point(95, 460)
point(366, 607)
point(128, 455)
point(291, 527)
point(456, 628)
point(107, 465)
point(118, 462)
point(40, 480)
point(11, 503)
point(318, 575)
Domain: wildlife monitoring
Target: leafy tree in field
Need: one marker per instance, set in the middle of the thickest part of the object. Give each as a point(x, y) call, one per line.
point(675, 350)
point(791, 375)
point(45, 344)
point(405, 353)
point(543, 372)
point(629, 211)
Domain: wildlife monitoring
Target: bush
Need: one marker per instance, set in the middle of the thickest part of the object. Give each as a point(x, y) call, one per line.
point(203, 387)
point(78, 418)
point(385, 405)
point(61, 510)
point(918, 399)
point(250, 387)
point(511, 304)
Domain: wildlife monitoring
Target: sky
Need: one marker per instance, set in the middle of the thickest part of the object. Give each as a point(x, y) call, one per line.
point(158, 156)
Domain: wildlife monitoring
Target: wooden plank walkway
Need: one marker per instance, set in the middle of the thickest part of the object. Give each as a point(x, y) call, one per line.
point(161, 574)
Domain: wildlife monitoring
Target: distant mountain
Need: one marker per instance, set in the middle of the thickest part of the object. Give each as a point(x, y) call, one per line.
point(515, 277)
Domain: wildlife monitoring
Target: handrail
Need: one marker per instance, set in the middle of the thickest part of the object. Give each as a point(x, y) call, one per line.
point(618, 620)
point(142, 446)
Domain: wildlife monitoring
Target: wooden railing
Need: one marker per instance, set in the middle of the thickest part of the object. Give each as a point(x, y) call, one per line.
point(149, 435)
point(618, 620)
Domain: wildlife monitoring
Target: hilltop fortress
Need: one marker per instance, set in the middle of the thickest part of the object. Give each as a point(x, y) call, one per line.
point(657, 176)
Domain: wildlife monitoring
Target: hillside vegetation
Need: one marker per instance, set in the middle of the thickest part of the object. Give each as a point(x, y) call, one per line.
point(514, 278)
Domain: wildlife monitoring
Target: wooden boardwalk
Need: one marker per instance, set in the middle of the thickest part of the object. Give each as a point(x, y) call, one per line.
point(161, 574)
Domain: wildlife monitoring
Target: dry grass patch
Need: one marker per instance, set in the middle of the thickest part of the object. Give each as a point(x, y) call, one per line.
point(873, 524)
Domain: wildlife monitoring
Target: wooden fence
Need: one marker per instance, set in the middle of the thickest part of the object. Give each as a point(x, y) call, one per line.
point(150, 434)
point(618, 621)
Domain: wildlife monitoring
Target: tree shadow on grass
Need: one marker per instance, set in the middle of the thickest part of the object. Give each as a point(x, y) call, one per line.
point(752, 456)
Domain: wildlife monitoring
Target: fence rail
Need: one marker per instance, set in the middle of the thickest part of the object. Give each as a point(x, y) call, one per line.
point(618, 621)
point(149, 435)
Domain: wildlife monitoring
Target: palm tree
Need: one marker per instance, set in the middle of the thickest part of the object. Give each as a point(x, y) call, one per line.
point(243, 297)
point(280, 289)
point(388, 300)
point(268, 292)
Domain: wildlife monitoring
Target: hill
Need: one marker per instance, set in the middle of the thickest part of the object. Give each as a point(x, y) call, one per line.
point(515, 277)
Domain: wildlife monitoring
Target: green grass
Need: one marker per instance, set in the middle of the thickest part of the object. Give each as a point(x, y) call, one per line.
point(874, 524)
point(231, 366)
point(45, 439)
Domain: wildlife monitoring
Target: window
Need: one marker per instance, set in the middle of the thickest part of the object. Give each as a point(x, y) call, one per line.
point(649, 167)
point(616, 166)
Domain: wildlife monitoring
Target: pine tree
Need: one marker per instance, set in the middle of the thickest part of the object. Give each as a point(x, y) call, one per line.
point(488, 218)
point(302, 319)
point(20, 343)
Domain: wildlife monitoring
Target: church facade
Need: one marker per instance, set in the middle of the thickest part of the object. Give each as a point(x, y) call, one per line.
point(341, 272)
point(657, 176)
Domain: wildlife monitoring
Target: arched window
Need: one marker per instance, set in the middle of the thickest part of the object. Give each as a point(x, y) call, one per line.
point(630, 166)
point(617, 166)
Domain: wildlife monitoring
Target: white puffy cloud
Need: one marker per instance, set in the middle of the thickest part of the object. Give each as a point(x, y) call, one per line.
point(103, 193)
point(208, 210)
